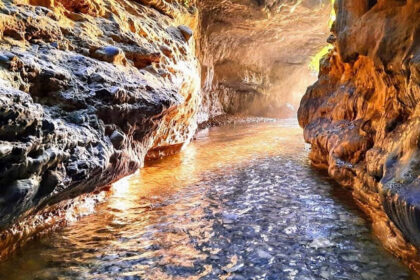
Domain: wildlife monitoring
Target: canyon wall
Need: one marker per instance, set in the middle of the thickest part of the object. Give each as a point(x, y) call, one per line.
point(362, 116)
point(87, 89)
point(255, 54)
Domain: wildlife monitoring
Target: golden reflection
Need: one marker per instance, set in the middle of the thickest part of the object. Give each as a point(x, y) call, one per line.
point(174, 218)
point(121, 191)
point(148, 224)
point(222, 149)
point(142, 197)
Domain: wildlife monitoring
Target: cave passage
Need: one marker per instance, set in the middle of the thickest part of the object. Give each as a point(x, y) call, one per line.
point(240, 202)
point(91, 91)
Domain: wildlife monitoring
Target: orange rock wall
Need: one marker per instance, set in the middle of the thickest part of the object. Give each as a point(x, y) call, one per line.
point(362, 116)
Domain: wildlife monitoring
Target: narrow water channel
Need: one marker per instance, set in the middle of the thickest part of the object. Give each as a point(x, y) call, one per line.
point(238, 203)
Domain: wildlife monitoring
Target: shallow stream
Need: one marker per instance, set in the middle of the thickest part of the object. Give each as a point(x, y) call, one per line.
point(238, 203)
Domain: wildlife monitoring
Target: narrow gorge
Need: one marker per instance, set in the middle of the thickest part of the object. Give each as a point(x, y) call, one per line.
point(196, 101)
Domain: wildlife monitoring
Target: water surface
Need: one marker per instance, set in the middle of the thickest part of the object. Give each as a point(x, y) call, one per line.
point(238, 203)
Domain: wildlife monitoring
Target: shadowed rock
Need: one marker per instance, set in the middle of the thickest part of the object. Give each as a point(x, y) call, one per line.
point(76, 113)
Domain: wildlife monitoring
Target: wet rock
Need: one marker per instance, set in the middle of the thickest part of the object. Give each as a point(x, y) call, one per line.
point(4, 60)
point(331, 39)
point(5, 149)
point(236, 277)
point(263, 254)
point(290, 230)
point(48, 126)
point(49, 182)
point(166, 51)
point(143, 60)
point(235, 268)
point(321, 243)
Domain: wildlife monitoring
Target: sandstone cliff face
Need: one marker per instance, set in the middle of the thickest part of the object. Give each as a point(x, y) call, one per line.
point(362, 115)
point(87, 88)
point(255, 54)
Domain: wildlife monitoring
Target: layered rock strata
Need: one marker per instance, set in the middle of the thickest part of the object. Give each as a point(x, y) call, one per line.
point(362, 116)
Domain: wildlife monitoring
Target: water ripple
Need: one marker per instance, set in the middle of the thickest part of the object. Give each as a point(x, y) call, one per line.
point(238, 203)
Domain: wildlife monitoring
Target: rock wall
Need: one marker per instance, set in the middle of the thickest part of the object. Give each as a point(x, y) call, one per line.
point(87, 89)
point(90, 88)
point(255, 54)
point(362, 116)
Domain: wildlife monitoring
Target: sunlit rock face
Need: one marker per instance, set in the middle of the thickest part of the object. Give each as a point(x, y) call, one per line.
point(87, 88)
point(362, 115)
point(255, 54)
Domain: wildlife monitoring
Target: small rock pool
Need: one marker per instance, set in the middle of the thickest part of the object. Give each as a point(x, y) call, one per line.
point(240, 202)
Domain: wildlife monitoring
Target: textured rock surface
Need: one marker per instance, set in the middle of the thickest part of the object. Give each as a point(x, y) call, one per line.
point(90, 88)
point(256, 54)
point(87, 88)
point(362, 115)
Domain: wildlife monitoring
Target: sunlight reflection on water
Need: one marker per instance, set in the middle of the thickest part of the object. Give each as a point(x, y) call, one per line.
point(238, 203)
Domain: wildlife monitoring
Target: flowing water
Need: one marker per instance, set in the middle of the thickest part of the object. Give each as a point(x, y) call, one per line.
point(238, 203)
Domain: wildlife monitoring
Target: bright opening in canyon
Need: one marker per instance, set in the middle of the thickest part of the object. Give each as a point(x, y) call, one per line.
point(209, 139)
point(257, 58)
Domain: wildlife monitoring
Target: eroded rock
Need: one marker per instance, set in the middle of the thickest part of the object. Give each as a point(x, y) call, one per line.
point(186, 32)
point(362, 116)
point(77, 109)
point(256, 54)
point(110, 54)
